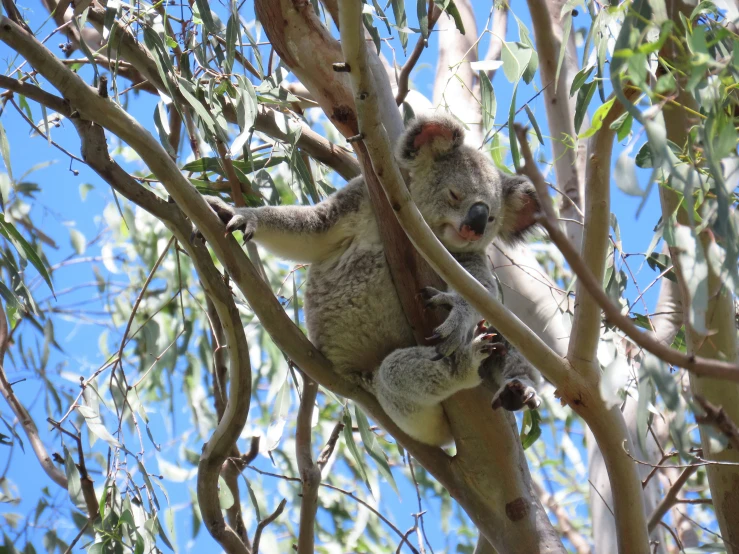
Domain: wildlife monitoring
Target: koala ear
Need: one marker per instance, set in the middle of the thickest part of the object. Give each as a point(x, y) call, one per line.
point(520, 206)
point(428, 138)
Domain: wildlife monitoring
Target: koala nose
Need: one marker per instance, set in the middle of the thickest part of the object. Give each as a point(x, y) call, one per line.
point(473, 226)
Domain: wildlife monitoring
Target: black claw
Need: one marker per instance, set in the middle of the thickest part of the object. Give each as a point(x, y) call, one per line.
point(433, 338)
point(437, 357)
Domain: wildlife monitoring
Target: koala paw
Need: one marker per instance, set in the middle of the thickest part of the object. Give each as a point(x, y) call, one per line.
point(486, 345)
point(236, 219)
point(515, 394)
point(454, 333)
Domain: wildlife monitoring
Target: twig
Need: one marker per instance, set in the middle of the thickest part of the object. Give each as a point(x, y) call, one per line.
point(344, 492)
point(565, 525)
point(88, 489)
point(40, 132)
point(310, 474)
point(717, 417)
point(238, 189)
point(420, 506)
point(695, 364)
point(433, 15)
point(140, 297)
point(328, 449)
point(24, 418)
point(78, 537)
point(654, 469)
point(266, 521)
point(404, 538)
point(670, 498)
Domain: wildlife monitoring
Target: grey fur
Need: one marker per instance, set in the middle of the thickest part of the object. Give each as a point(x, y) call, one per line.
point(353, 313)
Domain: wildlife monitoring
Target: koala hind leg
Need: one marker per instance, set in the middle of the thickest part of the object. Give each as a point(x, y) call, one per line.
point(520, 380)
point(411, 384)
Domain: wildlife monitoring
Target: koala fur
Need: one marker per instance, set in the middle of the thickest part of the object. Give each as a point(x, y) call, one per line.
point(353, 313)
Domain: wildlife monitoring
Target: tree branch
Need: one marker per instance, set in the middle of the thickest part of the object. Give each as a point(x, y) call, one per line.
point(266, 521)
point(24, 418)
point(310, 474)
point(95, 153)
point(704, 367)
point(548, 32)
point(670, 498)
point(405, 72)
point(477, 506)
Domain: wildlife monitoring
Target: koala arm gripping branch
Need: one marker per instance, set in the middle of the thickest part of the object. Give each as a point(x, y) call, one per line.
point(300, 233)
point(459, 325)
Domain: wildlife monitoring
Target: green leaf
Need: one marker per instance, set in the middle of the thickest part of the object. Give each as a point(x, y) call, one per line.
point(625, 175)
point(232, 36)
point(372, 30)
point(531, 419)
point(401, 21)
point(597, 122)
point(451, 8)
point(96, 425)
point(74, 483)
point(423, 17)
point(580, 78)
point(5, 151)
point(225, 496)
point(349, 440)
point(373, 447)
point(516, 57)
point(24, 248)
point(78, 240)
point(489, 105)
point(534, 124)
point(660, 262)
point(584, 96)
point(204, 13)
point(511, 117)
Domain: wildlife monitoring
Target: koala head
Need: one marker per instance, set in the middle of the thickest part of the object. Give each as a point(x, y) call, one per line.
point(463, 197)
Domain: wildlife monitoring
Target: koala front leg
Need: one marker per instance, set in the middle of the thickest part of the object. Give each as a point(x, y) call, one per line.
point(520, 380)
point(459, 326)
point(411, 384)
point(300, 233)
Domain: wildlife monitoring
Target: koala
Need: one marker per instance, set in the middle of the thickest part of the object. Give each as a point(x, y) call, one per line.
point(353, 314)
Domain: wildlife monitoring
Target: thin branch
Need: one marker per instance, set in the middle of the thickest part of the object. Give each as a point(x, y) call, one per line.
point(24, 418)
point(565, 525)
point(498, 34)
point(433, 15)
point(700, 366)
point(140, 297)
point(86, 484)
point(670, 498)
point(310, 474)
point(346, 493)
point(717, 417)
point(328, 449)
point(266, 521)
point(238, 189)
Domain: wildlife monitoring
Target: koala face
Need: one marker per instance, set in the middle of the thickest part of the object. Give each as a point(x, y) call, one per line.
point(463, 197)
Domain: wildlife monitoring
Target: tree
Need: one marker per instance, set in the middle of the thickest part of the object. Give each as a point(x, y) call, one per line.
point(649, 384)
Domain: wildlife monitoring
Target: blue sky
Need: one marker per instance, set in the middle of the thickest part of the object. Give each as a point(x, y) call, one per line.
point(59, 207)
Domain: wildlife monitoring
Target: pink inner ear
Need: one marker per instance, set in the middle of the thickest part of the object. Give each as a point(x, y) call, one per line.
point(525, 214)
point(430, 132)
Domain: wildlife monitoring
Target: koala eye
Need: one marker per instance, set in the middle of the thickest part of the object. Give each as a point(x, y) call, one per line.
point(491, 219)
point(453, 196)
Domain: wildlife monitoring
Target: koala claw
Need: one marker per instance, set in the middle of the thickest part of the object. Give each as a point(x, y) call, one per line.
point(236, 219)
point(515, 394)
point(435, 298)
